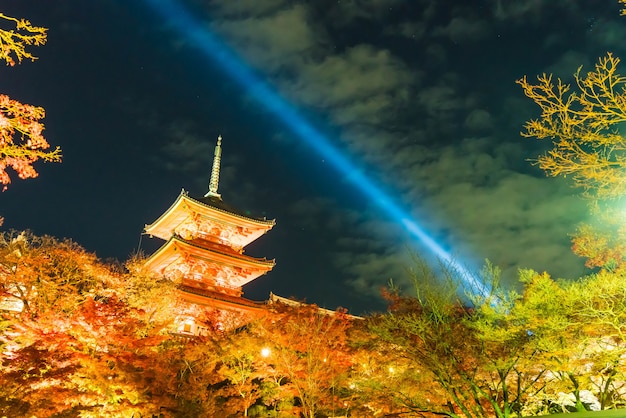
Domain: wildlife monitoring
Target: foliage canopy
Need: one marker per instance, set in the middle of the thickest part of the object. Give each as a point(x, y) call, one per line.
point(584, 127)
point(21, 131)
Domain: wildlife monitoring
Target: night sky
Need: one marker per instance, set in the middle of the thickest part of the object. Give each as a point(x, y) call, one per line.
point(419, 95)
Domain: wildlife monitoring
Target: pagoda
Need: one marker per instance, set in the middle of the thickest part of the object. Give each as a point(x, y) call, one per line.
point(204, 251)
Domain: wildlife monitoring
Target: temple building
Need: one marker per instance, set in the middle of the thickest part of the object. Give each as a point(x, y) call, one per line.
point(204, 252)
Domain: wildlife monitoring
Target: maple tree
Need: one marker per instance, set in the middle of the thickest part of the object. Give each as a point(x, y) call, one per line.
point(557, 346)
point(602, 240)
point(580, 342)
point(220, 371)
point(309, 349)
point(545, 311)
point(93, 363)
point(80, 337)
point(72, 343)
point(483, 361)
point(425, 330)
point(384, 380)
point(601, 311)
point(21, 132)
point(583, 125)
point(200, 387)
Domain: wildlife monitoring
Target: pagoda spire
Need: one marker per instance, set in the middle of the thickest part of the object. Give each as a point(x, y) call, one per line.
point(215, 171)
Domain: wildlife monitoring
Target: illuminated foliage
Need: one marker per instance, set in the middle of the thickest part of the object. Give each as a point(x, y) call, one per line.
point(583, 125)
point(383, 380)
point(41, 274)
point(602, 241)
point(155, 297)
point(580, 340)
point(221, 373)
point(13, 42)
point(465, 353)
point(200, 385)
point(80, 338)
point(21, 139)
point(83, 364)
point(509, 355)
point(72, 344)
point(95, 340)
point(603, 315)
point(309, 349)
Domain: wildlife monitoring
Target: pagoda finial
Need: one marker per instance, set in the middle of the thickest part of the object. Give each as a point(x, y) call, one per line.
point(215, 172)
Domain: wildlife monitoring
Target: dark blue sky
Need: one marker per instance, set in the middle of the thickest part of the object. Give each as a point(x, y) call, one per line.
point(419, 95)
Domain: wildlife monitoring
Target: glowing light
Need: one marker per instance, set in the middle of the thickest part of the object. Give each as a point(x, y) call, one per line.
point(216, 51)
point(265, 352)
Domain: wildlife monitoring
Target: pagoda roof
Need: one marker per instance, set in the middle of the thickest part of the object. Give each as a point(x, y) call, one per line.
point(210, 206)
point(208, 297)
point(179, 250)
point(218, 203)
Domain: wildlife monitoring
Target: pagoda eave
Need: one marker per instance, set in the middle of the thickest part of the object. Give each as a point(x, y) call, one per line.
point(187, 209)
point(179, 255)
point(221, 301)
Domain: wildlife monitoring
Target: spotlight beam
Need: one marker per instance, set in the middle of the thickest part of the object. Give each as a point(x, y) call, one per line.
point(215, 50)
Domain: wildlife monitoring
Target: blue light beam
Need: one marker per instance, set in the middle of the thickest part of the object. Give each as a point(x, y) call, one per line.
point(211, 47)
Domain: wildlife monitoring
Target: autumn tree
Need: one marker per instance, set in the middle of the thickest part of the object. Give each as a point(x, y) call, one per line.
point(556, 346)
point(200, 387)
point(383, 380)
point(21, 131)
point(601, 311)
point(154, 296)
point(93, 364)
point(584, 126)
point(545, 311)
point(220, 372)
point(309, 349)
point(42, 274)
point(477, 352)
point(583, 122)
point(577, 331)
point(73, 342)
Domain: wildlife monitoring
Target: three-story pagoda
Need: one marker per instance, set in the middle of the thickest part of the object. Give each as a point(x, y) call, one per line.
point(204, 249)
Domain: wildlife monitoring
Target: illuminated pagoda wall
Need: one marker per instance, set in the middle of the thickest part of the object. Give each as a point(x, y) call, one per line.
point(204, 251)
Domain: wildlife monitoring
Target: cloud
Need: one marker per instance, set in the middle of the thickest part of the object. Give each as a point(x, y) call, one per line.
point(414, 30)
point(522, 221)
point(439, 99)
point(248, 8)
point(566, 64)
point(186, 150)
point(363, 85)
point(318, 213)
point(429, 124)
point(479, 120)
point(506, 10)
point(371, 272)
point(273, 42)
point(486, 210)
point(610, 34)
point(463, 30)
point(345, 12)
